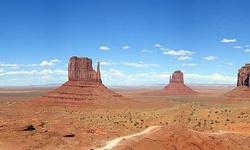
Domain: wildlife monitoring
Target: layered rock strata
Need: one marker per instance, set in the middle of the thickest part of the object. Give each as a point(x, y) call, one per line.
point(84, 83)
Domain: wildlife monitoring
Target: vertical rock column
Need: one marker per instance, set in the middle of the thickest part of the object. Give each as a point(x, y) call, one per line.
point(177, 77)
point(80, 69)
point(243, 76)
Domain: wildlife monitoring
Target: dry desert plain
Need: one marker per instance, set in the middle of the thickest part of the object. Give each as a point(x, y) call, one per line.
point(206, 121)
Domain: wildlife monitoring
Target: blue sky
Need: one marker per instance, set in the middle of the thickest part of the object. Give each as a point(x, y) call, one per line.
point(137, 42)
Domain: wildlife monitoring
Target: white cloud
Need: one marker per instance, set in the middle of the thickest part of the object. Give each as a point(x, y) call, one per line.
point(190, 64)
point(125, 47)
point(178, 53)
point(50, 63)
point(229, 64)
point(228, 40)
point(215, 78)
point(55, 60)
point(184, 58)
point(13, 66)
point(20, 72)
point(165, 49)
point(140, 65)
point(104, 48)
point(35, 72)
point(1, 70)
point(210, 58)
point(105, 63)
point(158, 45)
point(247, 50)
point(146, 51)
point(47, 64)
point(32, 65)
point(238, 47)
point(115, 72)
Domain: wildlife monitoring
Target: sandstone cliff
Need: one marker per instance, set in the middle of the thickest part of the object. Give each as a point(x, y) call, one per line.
point(243, 76)
point(80, 69)
point(84, 84)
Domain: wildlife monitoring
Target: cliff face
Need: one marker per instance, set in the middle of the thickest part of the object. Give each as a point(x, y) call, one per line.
point(176, 86)
point(243, 76)
point(177, 77)
point(80, 69)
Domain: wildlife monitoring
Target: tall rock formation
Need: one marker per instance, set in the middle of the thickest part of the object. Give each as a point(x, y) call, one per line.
point(84, 84)
point(80, 69)
point(176, 86)
point(242, 90)
point(243, 76)
point(177, 77)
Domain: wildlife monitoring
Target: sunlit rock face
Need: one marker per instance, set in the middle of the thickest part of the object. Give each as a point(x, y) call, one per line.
point(243, 76)
point(80, 69)
point(177, 77)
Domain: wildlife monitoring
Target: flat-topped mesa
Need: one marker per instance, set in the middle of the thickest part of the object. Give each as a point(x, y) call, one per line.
point(80, 69)
point(243, 76)
point(177, 77)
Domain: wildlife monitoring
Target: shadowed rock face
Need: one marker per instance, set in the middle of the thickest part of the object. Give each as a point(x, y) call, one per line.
point(80, 69)
point(177, 77)
point(243, 76)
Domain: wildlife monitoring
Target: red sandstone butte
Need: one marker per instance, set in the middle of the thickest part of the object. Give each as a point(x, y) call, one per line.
point(243, 76)
point(242, 90)
point(84, 84)
point(80, 69)
point(176, 86)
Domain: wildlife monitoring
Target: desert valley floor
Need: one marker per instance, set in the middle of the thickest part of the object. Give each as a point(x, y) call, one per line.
point(209, 120)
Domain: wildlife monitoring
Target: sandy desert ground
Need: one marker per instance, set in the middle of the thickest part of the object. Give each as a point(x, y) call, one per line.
point(204, 122)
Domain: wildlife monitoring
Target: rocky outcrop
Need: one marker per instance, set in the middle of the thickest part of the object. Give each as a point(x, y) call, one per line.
point(242, 90)
point(177, 77)
point(176, 86)
point(84, 84)
point(243, 76)
point(80, 69)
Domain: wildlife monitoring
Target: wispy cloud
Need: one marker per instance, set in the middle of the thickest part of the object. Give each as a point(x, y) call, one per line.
point(238, 47)
point(185, 58)
point(147, 51)
point(105, 63)
point(229, 64)
point(125, 47)
point(35, 72)
point(176, 53)
point(140, 65)
point(12, 66)
point(247, 50)
point(164, 49)
point(228, 40)
point(104, 48)
point(50, 63)
point(215, 78)
point(189, 64)
point(158, 45)
point(210, 58)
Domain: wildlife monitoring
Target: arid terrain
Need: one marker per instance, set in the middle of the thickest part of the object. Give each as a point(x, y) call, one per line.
point(208, 120)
